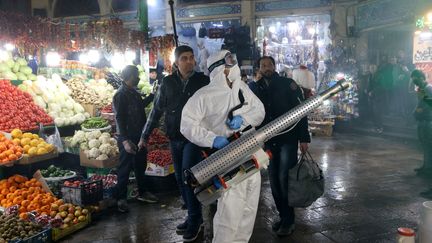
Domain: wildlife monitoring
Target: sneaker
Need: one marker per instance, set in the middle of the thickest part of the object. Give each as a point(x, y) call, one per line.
point(276, 225)
point(181, 228)
point(148, 198)
point(122, 206)
point(285, 230)
point(192, 233)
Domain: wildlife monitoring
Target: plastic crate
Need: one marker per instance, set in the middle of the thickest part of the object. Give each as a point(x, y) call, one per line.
point(43, 237)
point(58, 233)
point(88, 193)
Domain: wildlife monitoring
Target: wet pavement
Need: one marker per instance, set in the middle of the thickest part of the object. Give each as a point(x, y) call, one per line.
point(371, 190)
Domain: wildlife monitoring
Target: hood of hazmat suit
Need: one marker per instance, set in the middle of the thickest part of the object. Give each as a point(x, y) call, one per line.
point(204, 115)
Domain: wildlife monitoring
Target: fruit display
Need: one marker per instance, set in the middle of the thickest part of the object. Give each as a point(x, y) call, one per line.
point(27, 194)
point(160, 157)
point(13, 228)
point(53, 171)
point(157, 137)
point(16, 70)
point(31, 144)
point(9, 151)
point(96, 145)
point(82, 192)
point(69, 213)
point(53, 96)
point(17, 109)
point(107, 109)
point(95, 123)
point(108, 181)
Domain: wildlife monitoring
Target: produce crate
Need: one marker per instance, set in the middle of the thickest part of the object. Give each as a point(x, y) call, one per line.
point(45, 236)
point(88, 193)
point(30, 160)
point(156, 170)
point(321, 128)
point(97, 171)
point(91, 109)
point(58, 233)
point(93, 163)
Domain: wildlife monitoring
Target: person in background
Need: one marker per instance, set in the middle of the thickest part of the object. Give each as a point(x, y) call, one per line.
point(129, 109)
point(423, 115)
point(153, 76)
point(305, 79)
point(244, 78)
point(279, 95)
point(173, 93)
point(205, 122)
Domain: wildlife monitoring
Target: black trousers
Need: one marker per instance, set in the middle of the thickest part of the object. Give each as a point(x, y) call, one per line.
point(128, 162)
point(425, 136)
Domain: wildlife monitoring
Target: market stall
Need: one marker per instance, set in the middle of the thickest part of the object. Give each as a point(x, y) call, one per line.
point(58, 147)
point(422, 49)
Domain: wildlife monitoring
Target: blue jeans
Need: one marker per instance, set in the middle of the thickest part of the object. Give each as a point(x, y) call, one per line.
point(284, 158)
point(185, 156)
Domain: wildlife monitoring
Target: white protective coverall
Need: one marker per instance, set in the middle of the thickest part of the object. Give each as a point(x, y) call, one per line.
point(203, 118)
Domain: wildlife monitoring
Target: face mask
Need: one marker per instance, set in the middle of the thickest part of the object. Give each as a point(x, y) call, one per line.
point(234, 73)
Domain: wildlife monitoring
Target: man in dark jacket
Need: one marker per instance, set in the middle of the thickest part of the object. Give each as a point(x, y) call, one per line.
point(423, 115)
point(129, 109)
point(279, 95)
point(172, 95)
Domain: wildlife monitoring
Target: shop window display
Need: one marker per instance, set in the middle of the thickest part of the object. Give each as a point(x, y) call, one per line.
point(294, 40)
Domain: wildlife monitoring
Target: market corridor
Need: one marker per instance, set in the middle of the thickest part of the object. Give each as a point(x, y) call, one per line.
point(371, 190)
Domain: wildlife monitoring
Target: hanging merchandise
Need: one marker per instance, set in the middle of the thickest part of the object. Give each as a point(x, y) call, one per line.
point(202, 31)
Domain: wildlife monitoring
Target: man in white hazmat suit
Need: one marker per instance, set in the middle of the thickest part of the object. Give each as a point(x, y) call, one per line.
point(205, 123)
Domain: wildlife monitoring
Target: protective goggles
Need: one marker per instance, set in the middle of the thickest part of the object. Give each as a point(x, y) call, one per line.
point(230, 60)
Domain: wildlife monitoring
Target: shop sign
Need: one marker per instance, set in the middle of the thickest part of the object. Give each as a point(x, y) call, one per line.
point(422, 49)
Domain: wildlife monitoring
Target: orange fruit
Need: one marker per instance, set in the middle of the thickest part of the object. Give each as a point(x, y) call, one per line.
point(13, 157)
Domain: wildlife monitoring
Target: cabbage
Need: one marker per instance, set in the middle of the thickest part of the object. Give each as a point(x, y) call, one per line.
point(59, 122)
point(78, 108)
point(10, 63)
point(26, 70)
point(21, 62)
point(54, 107)
point(10, 75)
point(4, 67)
point(16, 67)
point(23, 87)
point(21, 76)
point(31, 77)
point(40, 102)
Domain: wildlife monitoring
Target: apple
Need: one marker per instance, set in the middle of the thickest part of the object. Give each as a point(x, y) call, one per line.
point(67, 220)
point(84, 211)
point(81, 218)
point(71, 216)
point(53, 214)
point(75, 221)
point(78, 213)
point(54, 207)
point(63, 214)
point(71, 209)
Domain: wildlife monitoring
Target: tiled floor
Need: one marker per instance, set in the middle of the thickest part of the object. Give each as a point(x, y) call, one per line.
point(371, 190)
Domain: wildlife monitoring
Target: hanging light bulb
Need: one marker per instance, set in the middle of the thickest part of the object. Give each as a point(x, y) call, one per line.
point(93, 56)
point(52, 59)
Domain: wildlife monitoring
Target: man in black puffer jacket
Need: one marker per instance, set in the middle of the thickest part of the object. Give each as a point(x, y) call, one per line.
point(279, 95)
point(174, 92)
